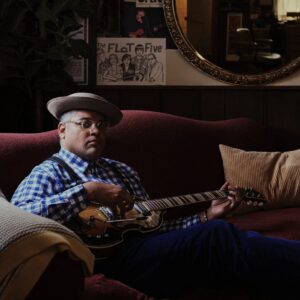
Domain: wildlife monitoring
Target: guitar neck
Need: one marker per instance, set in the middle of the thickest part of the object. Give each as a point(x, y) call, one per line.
point(183, 200)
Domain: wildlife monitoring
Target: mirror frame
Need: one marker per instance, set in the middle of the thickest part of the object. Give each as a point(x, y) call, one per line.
point(198, 61)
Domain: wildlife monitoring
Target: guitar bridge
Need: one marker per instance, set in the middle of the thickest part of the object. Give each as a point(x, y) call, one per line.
point(107, 212)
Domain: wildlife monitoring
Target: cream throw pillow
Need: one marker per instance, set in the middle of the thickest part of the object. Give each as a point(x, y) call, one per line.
point(276, 175)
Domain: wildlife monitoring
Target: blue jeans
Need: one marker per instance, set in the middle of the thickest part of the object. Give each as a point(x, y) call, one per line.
point(206, 255)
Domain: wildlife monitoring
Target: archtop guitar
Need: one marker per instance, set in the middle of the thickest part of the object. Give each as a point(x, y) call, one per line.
point(103, 232)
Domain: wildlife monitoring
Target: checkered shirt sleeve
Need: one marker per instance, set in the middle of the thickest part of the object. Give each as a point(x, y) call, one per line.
point(50, 195)
point(49, 190)
point(179, 223)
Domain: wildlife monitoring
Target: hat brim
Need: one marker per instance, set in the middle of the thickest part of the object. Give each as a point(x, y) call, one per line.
point(58, 106)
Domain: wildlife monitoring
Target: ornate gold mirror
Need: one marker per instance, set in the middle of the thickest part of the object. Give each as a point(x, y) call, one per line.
point(237, 41)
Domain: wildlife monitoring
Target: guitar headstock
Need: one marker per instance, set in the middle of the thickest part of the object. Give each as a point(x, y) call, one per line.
point(253, 197)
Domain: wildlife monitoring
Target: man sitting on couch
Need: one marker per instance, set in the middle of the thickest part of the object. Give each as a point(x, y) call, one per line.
point(192, 251)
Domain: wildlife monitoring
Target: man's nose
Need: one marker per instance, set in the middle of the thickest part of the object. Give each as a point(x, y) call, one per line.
point(94, 128)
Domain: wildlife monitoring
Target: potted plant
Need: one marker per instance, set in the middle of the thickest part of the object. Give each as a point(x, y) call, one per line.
point(36, 42)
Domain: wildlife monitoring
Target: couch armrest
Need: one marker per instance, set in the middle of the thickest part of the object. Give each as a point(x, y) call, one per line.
point(29, 244)
point(63, 279)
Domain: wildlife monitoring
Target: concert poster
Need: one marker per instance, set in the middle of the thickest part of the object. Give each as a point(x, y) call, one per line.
point(131, 61)
point(132, 19)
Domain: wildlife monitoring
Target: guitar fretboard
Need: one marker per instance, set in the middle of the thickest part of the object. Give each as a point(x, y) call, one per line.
point(169, 202)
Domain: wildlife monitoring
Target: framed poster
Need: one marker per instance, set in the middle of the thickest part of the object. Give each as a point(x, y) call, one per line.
point(78, 67)
point(234, 21)
point(132, 38)
point(125, 61)
point(133, 19)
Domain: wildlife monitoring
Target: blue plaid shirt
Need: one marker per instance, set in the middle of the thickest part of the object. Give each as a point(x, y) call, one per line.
point(49, 190)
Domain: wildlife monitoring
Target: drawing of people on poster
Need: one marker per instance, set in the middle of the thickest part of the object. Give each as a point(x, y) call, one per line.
point(131, 61)
point(128, 68)
point(114, 71)
point(140, 63)
point(155, 69)
point(102, 63)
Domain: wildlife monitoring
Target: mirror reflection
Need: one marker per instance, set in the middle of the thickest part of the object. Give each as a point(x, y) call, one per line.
point(242, 36)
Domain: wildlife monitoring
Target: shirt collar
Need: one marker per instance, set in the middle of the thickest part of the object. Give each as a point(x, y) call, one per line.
point(73, 160)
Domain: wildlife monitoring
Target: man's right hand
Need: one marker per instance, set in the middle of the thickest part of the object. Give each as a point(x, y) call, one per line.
point(113, 196)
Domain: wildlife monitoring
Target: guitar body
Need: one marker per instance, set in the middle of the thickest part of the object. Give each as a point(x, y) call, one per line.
point(102, 233)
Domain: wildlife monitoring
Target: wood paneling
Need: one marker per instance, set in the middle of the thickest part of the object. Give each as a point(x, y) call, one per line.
point(185, 102)
point(247, 104)
point(212, 105)
point(276, 107)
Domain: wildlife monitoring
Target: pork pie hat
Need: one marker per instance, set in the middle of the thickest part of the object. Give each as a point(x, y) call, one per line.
point(85, 101)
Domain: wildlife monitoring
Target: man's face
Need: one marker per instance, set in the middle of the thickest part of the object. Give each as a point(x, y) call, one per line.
point(140, 15)
point(151, 60)
point(139, 52)
point(87, 143)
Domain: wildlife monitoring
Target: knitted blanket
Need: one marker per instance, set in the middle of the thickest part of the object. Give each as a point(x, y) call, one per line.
point(29, 242)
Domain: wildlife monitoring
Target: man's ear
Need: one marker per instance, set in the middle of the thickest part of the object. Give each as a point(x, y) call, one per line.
point(61, 130)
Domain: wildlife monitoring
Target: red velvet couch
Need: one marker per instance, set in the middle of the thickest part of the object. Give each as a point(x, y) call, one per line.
point(160, 147)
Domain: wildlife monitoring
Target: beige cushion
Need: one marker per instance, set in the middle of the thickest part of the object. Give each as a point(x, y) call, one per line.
point(274, 174)
point(28, 243)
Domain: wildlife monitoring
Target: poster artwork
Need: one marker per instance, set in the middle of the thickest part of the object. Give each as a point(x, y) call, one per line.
point(149, 3)
point(125, 61)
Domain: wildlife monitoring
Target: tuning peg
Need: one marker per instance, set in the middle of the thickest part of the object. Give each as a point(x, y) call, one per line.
point(249, 202)
point(261, 204)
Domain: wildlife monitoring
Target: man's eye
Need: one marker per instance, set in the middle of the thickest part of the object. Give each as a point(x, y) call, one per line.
point(86, 124)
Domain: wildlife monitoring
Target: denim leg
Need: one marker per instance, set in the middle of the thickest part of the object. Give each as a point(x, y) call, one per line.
point(205, 255)
point(273, 261)
point(165, 264)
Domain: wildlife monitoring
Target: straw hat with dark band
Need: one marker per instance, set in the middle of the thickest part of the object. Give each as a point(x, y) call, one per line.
point(85, 101)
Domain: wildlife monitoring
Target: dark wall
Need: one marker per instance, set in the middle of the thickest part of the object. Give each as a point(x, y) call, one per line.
point(276, 107)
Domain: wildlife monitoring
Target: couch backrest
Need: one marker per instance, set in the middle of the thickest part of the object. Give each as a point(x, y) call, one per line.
point(20, 152)
point(173, 155)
